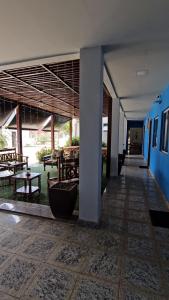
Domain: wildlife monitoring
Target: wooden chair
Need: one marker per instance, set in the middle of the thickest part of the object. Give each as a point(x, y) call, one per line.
point(68, 171)
point(49, 161)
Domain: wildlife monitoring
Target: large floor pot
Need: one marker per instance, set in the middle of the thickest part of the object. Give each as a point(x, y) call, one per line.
point(62, 199)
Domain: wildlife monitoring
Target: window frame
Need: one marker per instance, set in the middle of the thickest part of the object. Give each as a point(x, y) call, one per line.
point(155, 131)
point(165, 131)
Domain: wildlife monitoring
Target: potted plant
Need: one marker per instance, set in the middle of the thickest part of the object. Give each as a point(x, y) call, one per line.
point(62, 198)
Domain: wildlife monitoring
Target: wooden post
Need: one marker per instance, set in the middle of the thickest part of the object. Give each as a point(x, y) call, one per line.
point(70, 132)
point(19, 129)
point(108, 164)
point(52, 132)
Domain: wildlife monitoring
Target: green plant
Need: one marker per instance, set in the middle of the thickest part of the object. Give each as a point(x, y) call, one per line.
point(104, 144)
point(64, 128)
point(3, 141)
point(75, 141)
point(41, 153)
point(43, 138)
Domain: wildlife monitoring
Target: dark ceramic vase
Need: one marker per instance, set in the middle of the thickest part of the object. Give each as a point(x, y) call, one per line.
point(62, 199)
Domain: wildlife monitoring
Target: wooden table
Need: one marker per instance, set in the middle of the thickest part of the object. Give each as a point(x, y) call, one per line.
point(27, 188)
point(6, 175)
point(12, 165)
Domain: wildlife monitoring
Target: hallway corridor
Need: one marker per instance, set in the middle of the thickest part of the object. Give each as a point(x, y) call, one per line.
point(125, 258)
point(143, 250)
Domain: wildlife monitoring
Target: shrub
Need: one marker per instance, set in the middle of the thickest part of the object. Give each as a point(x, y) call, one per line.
point(3, 141)
point(43, 138)
point(41, 153)
point(104, 144)
point(75, 141)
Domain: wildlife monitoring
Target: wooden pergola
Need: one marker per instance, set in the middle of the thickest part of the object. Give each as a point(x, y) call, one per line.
point(52, 87)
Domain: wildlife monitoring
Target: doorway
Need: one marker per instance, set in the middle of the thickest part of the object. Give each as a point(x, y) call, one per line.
point(134, 137)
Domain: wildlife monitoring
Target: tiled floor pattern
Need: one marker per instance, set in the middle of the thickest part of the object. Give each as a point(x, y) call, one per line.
point(126, 258)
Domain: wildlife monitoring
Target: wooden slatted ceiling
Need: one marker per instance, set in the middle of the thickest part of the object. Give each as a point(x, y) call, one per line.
point(52, 87)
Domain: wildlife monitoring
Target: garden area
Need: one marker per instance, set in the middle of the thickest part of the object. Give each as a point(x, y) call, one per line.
point(36, 146)
point(7, 191)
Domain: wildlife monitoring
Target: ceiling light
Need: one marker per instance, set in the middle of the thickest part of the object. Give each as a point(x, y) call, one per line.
point(142, 72)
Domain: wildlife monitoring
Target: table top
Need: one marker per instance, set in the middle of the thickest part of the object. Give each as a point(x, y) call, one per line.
point(12, 163)
point(24, 175)
point(6, 173)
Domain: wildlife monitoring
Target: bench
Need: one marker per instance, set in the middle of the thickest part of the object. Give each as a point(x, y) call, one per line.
point(10, 155)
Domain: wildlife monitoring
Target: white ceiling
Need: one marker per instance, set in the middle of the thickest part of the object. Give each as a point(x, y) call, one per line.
point(135, 35)
point(138, 92)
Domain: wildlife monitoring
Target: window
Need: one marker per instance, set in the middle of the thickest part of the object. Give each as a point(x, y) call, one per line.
point(105, 127)
point(155, 129)
point(165, 131)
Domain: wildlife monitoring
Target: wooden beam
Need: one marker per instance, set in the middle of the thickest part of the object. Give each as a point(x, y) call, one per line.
point(9, 119)
point(45, 123)
point(70, 132)
point(38, 90)
point(108, 164)
point(58, 78)
point(56, 84)
point(52, 132)
point(19, 128)
point(37, 103)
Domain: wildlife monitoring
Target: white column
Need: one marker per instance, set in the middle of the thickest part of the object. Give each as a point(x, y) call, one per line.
point(75, 127)
point(121, 132)
point(91, 107)
point(125, 132)
point(115, 137)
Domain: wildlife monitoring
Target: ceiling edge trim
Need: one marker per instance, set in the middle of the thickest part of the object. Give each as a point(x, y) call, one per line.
point(39, 60)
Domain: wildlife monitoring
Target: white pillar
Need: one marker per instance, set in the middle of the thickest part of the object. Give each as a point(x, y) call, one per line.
point(125, 132)
point(104, 129)
point(115, 137)
point(91, 107)
point(75, 127)
point(121, 132)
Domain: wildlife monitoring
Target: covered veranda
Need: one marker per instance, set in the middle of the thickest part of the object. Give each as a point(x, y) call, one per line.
point(38, 98)
point(66, 57)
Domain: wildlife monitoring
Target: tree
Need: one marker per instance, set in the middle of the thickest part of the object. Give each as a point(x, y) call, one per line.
point(64, 128)
point(3, 141)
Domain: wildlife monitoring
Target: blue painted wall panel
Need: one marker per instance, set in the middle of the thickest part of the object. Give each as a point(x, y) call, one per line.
point(159, 161)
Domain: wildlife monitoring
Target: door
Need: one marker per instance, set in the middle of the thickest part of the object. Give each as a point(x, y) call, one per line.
point(149, 143)
point(136, 140)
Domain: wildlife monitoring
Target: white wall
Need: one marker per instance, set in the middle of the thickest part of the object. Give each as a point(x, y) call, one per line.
point(125, 132)
point(121, 132)
point(104, 129)
point(75, 127)
point(115, 137)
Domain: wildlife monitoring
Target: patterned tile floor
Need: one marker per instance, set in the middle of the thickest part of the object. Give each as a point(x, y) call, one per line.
point(126, 258)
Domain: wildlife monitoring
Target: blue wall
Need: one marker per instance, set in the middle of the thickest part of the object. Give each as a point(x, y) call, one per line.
point(159, 161)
